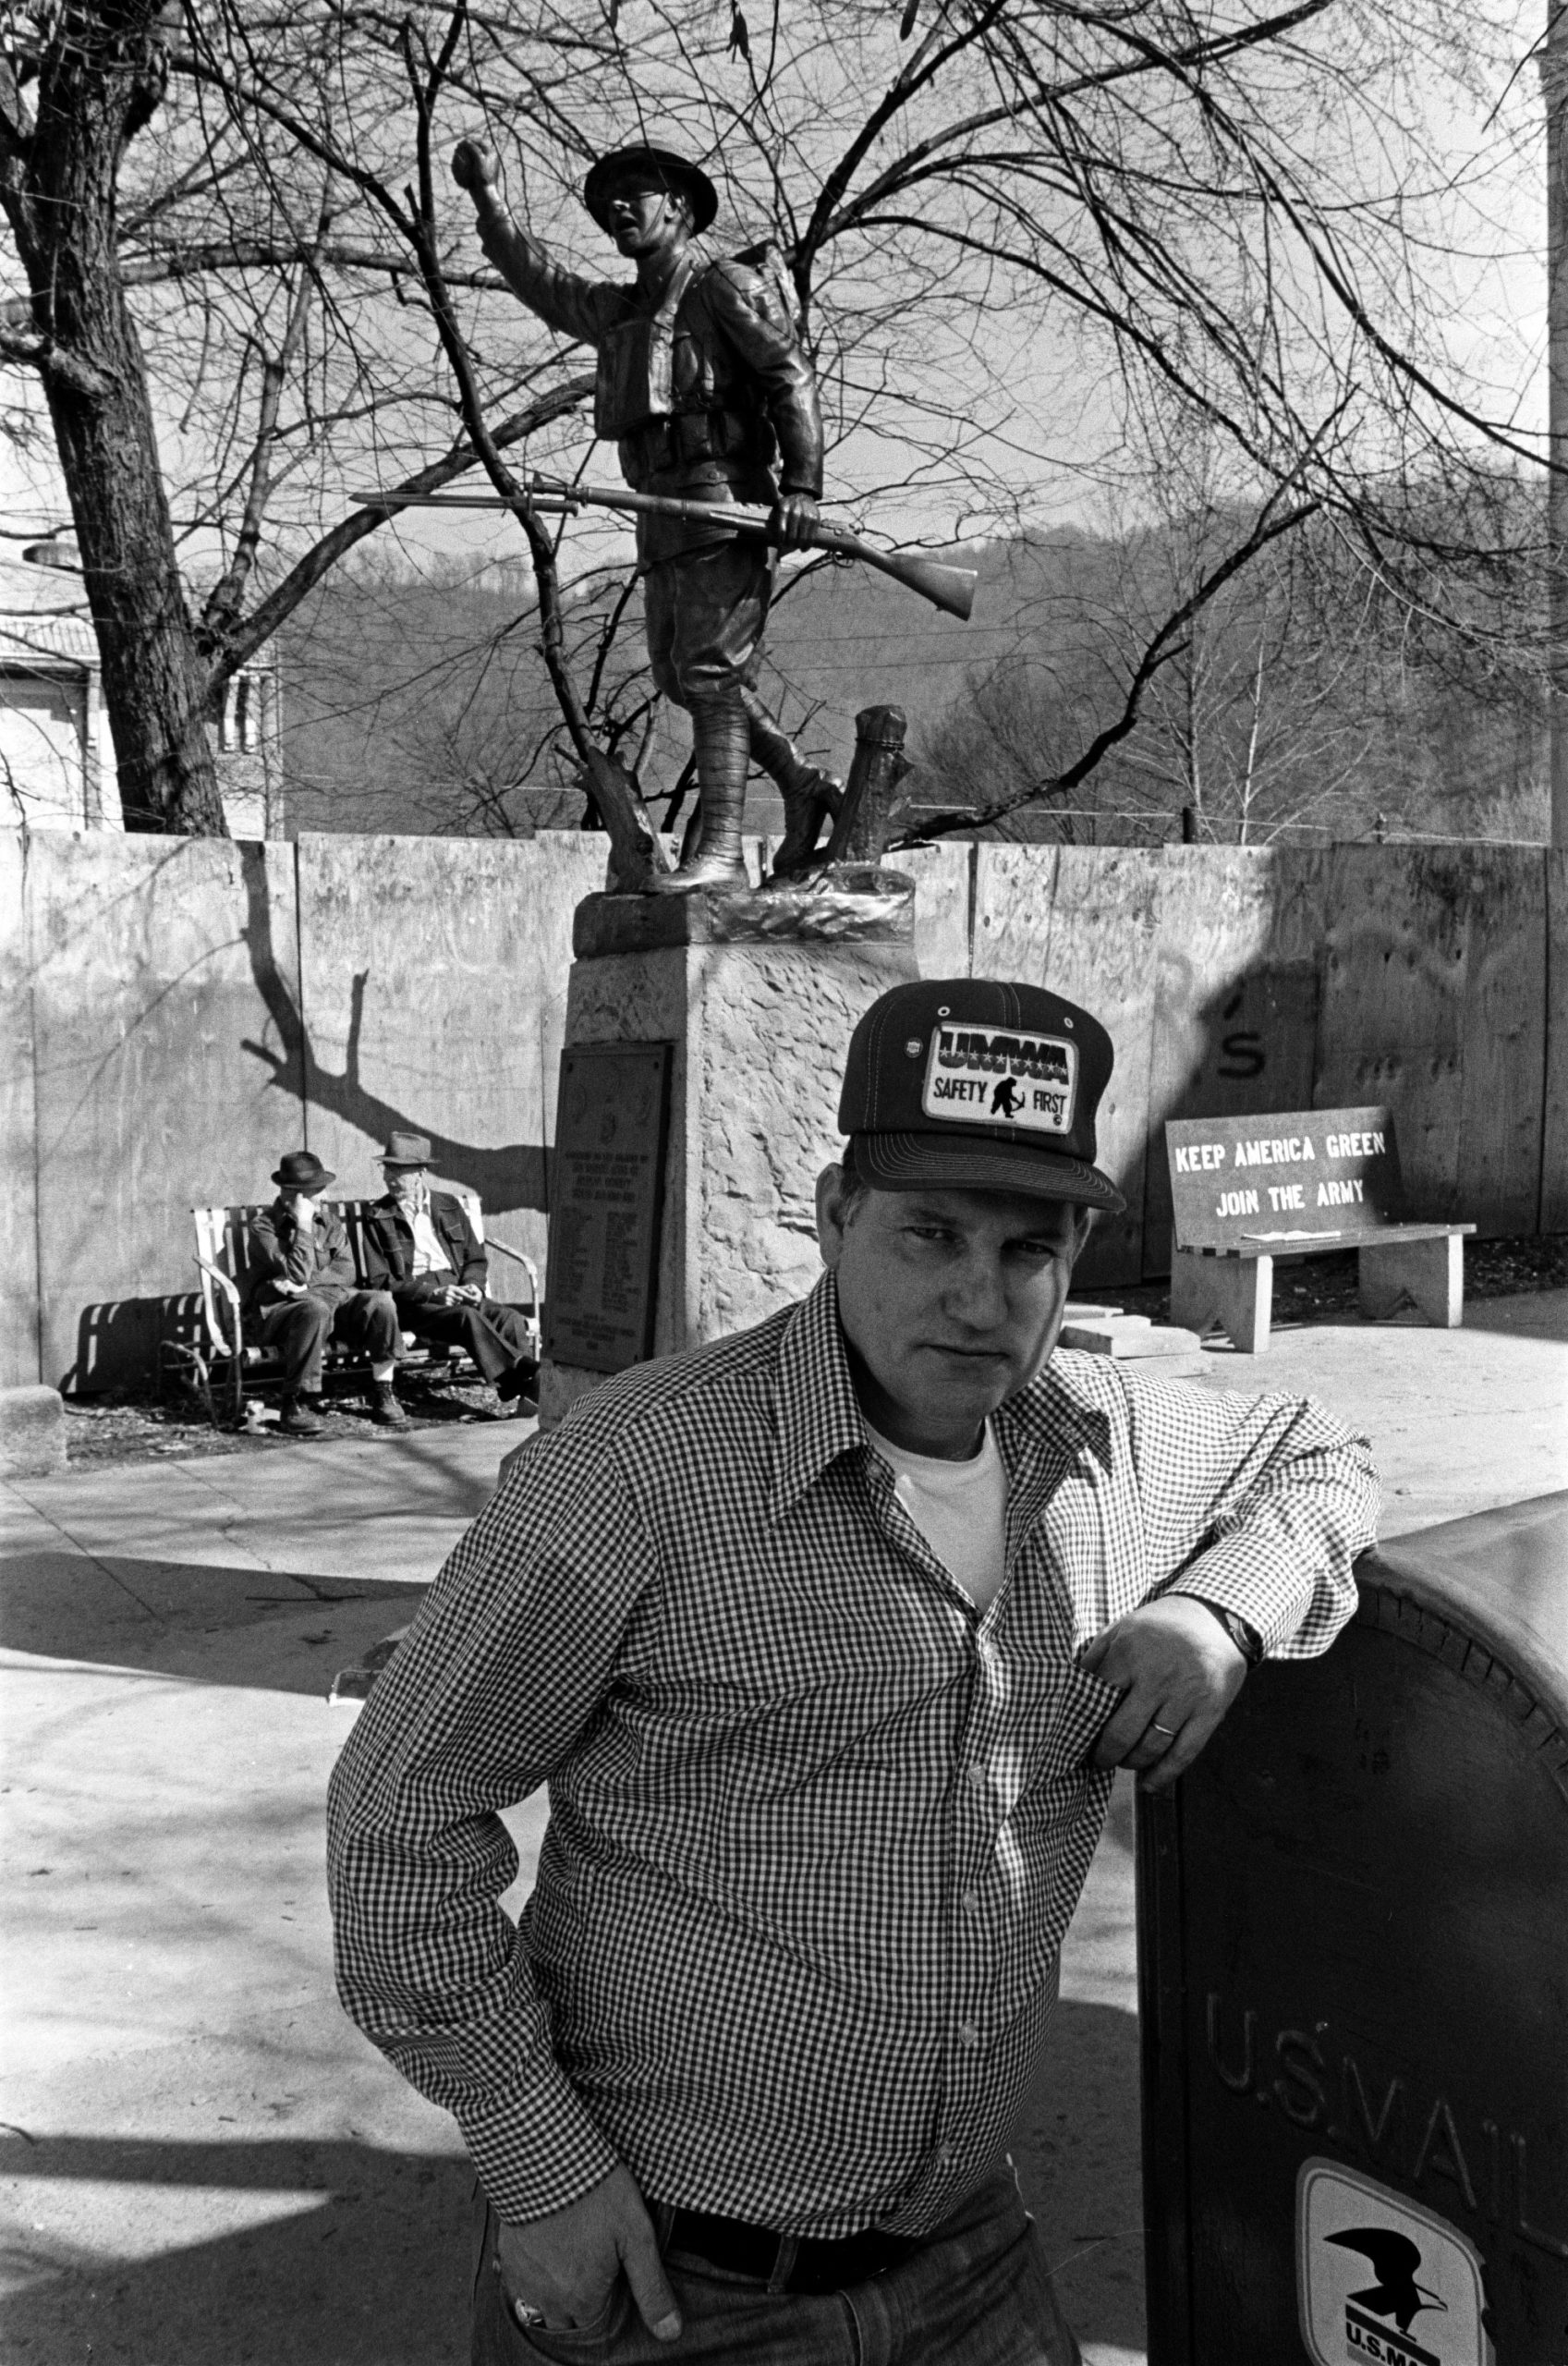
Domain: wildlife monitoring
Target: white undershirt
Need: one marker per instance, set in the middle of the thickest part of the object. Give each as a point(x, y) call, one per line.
point(959, 1508)
point(430, 1257)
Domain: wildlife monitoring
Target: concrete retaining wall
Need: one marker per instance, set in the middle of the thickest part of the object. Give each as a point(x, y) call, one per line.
point(175, 1013)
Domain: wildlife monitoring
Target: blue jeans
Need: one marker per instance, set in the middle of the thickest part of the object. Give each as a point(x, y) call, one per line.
point(977, 2293)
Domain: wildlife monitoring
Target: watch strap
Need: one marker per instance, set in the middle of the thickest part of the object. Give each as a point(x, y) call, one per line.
point(1249, 1642)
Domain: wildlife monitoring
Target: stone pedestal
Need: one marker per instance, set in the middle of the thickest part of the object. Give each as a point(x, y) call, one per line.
point(758, 993)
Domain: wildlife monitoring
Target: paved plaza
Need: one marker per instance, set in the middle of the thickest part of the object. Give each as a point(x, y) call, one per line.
point(204, 2162)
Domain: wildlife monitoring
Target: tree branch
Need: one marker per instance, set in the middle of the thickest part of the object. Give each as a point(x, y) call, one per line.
point(256, 254)
point(243, 640)
point(636, 853)
point(51, 361)
point(1166, 644)
point(222, 606)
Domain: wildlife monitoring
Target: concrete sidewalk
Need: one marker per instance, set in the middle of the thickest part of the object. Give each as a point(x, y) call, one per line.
point(204, 2163)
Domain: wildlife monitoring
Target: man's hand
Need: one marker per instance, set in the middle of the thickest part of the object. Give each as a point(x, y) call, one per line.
point(304, 1209)
point(466, 1293)
point(477, 169)
point(793, 515)
point(567, 2266)
point(1178, 1672)
point(289, 1289)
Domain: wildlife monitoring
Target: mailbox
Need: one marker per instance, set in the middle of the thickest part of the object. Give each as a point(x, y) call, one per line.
point(1354, 1982)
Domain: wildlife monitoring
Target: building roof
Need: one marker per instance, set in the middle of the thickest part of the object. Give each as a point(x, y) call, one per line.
point(46, 644)
point(43, 631)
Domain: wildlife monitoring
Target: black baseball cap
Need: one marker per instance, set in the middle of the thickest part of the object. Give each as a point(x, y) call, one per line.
point(979, 1085)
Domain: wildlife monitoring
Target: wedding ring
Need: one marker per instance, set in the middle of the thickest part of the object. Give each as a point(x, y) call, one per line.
point(1156, 1727)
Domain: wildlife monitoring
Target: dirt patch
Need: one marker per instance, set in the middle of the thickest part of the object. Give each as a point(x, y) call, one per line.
point(125, 1428)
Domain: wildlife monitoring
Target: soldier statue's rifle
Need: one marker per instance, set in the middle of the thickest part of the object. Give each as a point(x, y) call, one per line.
point(951, 589)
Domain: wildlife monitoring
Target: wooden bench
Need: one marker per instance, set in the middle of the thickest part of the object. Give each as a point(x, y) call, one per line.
point(231, 1367)
point(1246, 1190)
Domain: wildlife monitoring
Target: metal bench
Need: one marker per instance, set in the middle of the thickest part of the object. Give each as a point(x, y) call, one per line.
point(1305, 1183)
point(230, 1368)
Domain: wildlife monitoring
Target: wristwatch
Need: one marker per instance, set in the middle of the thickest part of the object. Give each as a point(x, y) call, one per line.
point(1249, 1642)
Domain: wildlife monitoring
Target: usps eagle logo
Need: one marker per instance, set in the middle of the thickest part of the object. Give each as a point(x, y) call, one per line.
point(1382, 2280)
point(983, 1076)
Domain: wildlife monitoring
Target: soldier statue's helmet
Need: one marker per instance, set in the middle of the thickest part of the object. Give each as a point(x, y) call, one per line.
point(659, 166)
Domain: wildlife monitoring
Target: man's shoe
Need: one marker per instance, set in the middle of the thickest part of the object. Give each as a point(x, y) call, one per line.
point(515, 1408)
point(703, 871)
point(294, 1421)
point(384, 1409)
point(512, 1383)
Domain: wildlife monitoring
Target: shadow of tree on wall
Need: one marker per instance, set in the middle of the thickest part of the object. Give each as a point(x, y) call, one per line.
point(1249, 1048)
point(516, 1176)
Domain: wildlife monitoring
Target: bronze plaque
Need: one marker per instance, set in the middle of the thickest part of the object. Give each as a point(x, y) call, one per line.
point(607, 1188)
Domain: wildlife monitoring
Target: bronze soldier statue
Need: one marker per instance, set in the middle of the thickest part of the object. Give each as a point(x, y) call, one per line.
point(707, 393)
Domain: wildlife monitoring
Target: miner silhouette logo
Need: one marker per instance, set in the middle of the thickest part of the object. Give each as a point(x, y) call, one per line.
point(1005, 1101)
point(1394, 2260)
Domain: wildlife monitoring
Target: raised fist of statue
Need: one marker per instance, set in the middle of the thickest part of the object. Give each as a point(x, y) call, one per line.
point(475, 167)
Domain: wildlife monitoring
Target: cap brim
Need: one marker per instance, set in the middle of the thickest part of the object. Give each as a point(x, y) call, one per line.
point(973, 1163)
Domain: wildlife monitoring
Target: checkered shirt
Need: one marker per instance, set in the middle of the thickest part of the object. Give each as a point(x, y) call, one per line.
point(817, 1828)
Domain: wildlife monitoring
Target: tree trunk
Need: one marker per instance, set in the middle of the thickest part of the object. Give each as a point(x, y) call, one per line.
point(100, 78)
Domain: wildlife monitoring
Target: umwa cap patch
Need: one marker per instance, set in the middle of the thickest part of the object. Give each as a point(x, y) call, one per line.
point(980, 1075)
point(981, 1084)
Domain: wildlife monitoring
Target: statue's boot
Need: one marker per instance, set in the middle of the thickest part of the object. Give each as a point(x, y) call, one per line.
point(810, 795)
point(721, 742)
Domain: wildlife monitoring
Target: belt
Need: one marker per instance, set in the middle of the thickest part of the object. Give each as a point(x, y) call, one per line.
point(808, 2266)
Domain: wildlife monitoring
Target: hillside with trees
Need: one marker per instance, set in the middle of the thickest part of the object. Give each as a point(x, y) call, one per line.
point(1302, 701)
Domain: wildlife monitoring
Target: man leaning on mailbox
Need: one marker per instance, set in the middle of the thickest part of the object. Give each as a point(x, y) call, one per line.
point(827, 1638)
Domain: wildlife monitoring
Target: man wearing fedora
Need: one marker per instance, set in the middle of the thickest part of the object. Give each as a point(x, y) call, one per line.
point(826, 1638)
point(420, 1246)
point(705, 390)
point(302, 1291)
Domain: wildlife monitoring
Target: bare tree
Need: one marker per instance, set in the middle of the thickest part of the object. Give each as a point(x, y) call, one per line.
point(1304, 694)
point(419, 701)
point(991, 209)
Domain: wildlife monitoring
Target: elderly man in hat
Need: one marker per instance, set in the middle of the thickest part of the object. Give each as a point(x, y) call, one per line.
point(827, 1638)
point(420, 1246)
point(708, 396)
point(302, 1291)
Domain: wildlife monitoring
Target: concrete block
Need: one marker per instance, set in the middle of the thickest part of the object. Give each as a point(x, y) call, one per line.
point(1230, 1294)
point(1427, 1274)
point(33, 1433)
point(1128, 1336)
